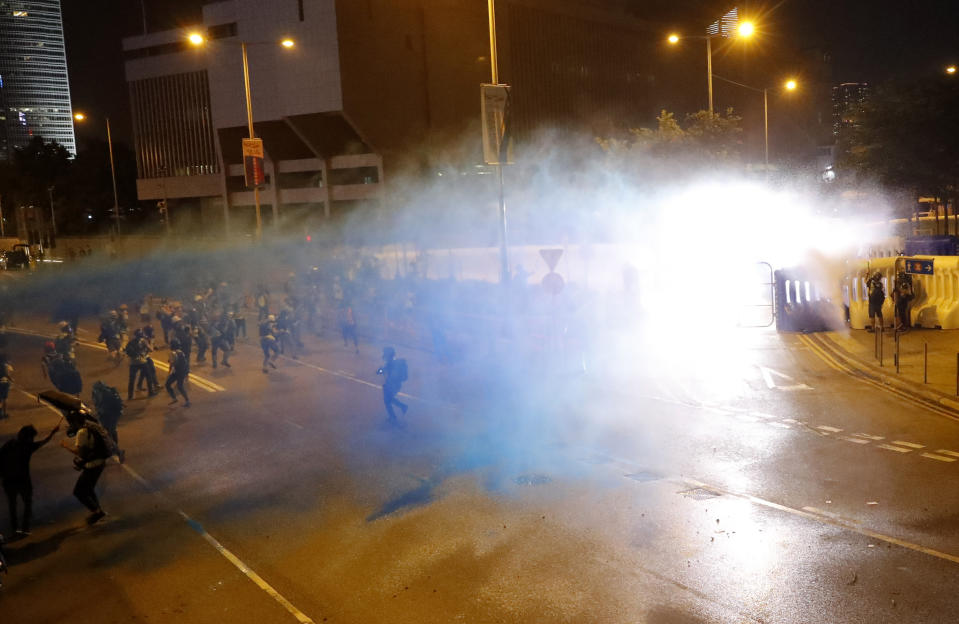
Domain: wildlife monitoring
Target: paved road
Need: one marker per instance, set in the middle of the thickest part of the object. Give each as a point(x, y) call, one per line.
point(746, 481)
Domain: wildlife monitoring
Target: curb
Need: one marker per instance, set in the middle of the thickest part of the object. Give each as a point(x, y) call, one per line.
point(941, 401)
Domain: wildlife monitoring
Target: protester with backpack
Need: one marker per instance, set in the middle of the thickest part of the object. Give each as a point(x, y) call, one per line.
point(138, 351)
point(15, 472)
point(394, 373)
point(179, 372)
point(93, 447)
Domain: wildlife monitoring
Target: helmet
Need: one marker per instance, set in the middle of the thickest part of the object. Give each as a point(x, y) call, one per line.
point(113, 314)
point(123, 306)
point(49, 347)
point(63, 325)
point(271, 318)
point(174, 344)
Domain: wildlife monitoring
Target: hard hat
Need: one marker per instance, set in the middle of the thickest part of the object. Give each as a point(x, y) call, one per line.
point(271, 318)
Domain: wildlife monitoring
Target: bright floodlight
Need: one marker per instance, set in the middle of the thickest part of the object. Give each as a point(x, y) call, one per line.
point(79, 116)
point(951, 69)
point(195, 38)
point(287, 43)
point(791, 85)
point(746, 29)
point(674, 38)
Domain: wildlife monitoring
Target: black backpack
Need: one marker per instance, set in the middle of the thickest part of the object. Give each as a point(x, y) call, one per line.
point(107, 400)
point(103, 445)
point(400, 370)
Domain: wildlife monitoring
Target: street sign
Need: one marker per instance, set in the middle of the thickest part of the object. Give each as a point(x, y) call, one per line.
point(919, 267)
point(553, 283)
point(253, 162)
point(497, 136)
point(551, 256)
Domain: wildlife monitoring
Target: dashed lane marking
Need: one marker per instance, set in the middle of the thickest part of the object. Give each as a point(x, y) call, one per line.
point(832, 520)
point(946, 452)
point(897, 449)
point(196, 526)
point(196, 380)
point(829, 429)
point(909, 444)
point(941, 458)
point(854, 440)
point(874, 438)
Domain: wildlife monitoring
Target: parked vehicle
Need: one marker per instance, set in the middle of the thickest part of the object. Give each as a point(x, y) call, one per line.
point(17, 258)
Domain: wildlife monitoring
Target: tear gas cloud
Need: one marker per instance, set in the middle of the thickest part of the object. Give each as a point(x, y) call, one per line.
point(658, 273)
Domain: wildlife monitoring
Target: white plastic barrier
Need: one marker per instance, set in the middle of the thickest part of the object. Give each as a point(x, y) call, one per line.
point(936, 297)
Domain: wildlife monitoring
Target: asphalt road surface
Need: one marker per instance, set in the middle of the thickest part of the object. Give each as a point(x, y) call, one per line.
point(756, 483)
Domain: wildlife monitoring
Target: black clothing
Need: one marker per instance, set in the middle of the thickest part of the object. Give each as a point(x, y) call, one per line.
point(85, 488)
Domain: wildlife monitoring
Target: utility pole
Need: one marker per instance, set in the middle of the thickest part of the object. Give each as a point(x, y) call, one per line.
point(503, 231)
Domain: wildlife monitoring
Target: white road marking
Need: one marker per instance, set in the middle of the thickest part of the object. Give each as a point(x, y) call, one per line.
point(298, 426)
point(768, 375)
point(196, 380)
point(945, 452)
point(854, 440)
point(829, 429)
point(874, 438)
point(909, 444)
point(898, 449)
point(196, 526)
point(941, 458)
point(829, 519)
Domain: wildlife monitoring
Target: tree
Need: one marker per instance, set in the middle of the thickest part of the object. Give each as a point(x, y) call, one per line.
point(708, 140)
point(907, 138)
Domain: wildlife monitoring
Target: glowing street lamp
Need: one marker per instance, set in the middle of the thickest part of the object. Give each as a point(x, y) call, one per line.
point(197, 40)
point(788, 85)
point(745, 30)
point(951, 70)
point(113, 171)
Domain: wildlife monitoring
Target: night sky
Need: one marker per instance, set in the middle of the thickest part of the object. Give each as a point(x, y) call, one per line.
point(867, 40)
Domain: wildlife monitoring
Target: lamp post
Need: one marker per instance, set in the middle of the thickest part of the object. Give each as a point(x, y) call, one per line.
point(53, 216)
point(113, 171)
point(197, 39)
point(745, 30)
point(503, 230)
point(789, 85)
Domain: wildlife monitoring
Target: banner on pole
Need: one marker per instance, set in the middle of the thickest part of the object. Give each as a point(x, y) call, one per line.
point(497, 135)
point(253, 162)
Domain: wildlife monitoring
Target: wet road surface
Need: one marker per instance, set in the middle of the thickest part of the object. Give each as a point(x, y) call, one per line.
point(759, 484)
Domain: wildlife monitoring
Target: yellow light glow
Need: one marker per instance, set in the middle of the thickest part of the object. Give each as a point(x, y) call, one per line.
point(951, 69)
point(79, 116)
point(196, 38)
point(20, 14)
point(287, 43)
point(747, 29)
point(673, 38)
point(791, 85)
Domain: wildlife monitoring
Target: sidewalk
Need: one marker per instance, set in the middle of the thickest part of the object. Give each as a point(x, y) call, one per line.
point(928, 361)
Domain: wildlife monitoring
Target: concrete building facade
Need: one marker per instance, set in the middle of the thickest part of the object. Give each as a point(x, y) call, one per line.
point(371, 88)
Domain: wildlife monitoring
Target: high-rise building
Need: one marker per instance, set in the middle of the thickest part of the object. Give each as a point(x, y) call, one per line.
point(34, 88)
point(848, 99)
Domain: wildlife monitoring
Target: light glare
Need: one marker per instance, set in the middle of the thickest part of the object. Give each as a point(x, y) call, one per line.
point(791, 85)
point(746, 29)
point(673, 39)
point(79, 116)
point(287, 43)
point(951, 69)
point(196, 38)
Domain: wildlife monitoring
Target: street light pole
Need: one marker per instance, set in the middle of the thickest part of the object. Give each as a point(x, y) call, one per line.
point(709, 70)
point(249, 121)
point(503, 230)
point(766, 128)
point(53, 216)
point(113, 174)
